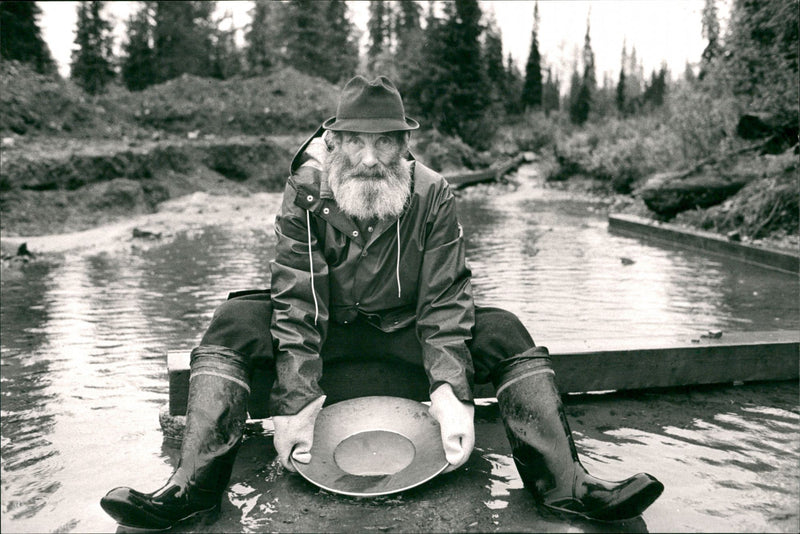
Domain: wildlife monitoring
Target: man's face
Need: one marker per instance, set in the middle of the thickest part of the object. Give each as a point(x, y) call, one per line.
point(370, 153)
point(368, 175)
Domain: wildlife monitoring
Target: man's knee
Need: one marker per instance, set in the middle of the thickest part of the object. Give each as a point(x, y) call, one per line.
point(502, 330)
point(498, 335)
point(242, 325)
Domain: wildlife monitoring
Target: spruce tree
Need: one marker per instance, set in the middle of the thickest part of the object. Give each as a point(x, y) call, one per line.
point(711, 31)
point(454, 91)
point(21, 37)
point(493, 59)
point(92, 65)
point(513, 91)
point(620, 96)
point(138, 68)
point(226, 59)
point(408, 54)
point(320, 39)
point(263, 46)
point(582, 101)
point(379, 26)
point(551, 93)
point(183, 39)
point(532, 90)
point(761, 57)
point(341, 49)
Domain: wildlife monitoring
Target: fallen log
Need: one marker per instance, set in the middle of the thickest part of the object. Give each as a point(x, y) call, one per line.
point(491, 174)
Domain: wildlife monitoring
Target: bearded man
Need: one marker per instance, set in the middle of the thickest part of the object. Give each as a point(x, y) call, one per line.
point(370, 263)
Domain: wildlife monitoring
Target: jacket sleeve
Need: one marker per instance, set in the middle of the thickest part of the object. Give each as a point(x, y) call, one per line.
point(445, 309)
point(300, 312)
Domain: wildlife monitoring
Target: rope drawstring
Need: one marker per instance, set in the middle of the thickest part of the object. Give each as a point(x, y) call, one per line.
point(399, 291)
point(311, 267)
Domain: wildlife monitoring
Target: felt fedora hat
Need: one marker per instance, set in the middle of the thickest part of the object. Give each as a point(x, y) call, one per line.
point(370, 107)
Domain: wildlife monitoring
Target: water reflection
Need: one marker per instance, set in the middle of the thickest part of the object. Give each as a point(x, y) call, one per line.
point(553, 262)
point(83, 374)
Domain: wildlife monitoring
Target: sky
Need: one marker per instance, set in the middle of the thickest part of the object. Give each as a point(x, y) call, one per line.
point(661, 30)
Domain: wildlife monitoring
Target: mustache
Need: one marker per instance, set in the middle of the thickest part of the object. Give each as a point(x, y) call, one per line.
point(378, 170)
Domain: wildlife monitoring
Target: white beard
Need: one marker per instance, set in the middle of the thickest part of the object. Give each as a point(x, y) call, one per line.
point(369, 194)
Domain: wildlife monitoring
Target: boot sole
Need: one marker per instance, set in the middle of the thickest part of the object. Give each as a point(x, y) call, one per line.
point(118, 511)
point(632, 508)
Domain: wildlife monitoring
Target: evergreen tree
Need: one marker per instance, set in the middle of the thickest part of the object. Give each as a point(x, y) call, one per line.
point(454, 92)
point(493, 58)
point(634, 82)
point(761, 59)
point(620, 96)
point(513, 90)
point(320, 39)
point(656, 90)
point(21, 38)
point(582, 102)
point(183, 38)
point(473, 94)
point(92, 65)
point(532, 90)
point(262, 38)
point(574, 92)
point(551, 93)
point(379, 26)
point(711, 33)
point(408, 54)
point(138, 56)
point(341, 58)
point(226, 60)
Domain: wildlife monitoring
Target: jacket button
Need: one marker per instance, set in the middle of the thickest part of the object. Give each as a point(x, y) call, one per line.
point(364, 254)
point(309, 198)
point(326, 211)
point(369, 229)
point(355, 233)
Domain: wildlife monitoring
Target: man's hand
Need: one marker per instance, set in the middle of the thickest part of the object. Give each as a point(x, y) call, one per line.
point(294, 434)
point(456, 420)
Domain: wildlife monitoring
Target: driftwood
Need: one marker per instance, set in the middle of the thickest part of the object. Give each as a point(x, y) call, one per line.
point(670, 193)
point(491, 174)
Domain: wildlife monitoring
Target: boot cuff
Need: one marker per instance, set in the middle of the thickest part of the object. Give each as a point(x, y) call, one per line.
point(220, 361)
point(530, 361)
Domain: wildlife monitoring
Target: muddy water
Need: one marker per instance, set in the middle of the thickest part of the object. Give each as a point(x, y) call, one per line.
point(83, 371)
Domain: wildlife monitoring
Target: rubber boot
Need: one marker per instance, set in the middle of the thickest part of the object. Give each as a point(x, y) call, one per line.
point(545, 453)
point(217, 410)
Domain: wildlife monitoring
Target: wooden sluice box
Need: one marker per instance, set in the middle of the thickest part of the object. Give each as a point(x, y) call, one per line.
point(580, 367)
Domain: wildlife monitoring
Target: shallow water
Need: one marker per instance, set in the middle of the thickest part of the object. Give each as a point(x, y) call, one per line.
point(83, 340)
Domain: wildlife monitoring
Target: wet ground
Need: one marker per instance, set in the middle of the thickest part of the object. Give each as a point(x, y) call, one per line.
point(85, 329)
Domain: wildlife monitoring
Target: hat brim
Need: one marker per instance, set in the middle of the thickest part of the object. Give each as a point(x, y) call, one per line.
point(370, 125)
point(372, 446)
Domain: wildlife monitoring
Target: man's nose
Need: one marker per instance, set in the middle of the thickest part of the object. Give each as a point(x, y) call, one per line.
point(368, 156)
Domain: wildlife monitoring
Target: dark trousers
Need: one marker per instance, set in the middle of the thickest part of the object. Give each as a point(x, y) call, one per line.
point(358, 359)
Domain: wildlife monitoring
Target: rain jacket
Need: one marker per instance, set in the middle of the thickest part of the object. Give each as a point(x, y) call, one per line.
point(409, 270)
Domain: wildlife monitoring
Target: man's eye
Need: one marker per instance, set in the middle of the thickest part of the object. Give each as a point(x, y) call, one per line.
point(384, 143)
point(355, 141)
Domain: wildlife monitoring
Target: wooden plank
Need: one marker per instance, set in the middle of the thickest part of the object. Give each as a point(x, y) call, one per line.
point(602, 365)
point(704, 241)
point(676, 366)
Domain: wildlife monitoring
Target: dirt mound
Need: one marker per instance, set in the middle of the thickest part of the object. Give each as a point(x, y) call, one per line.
point(31, 103)
point(283, 101)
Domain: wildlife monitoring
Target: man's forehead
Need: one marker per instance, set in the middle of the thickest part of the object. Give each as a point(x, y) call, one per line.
point(396, 135)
